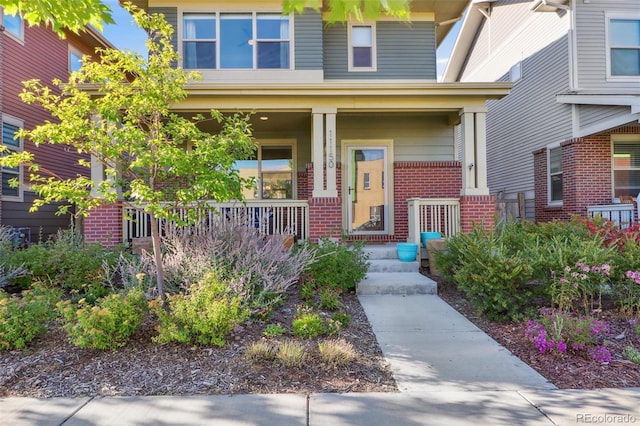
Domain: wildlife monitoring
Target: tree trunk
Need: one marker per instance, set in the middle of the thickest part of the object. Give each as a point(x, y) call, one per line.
point(157, 255)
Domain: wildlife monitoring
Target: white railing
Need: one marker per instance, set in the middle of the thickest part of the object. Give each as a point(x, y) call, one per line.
point(622, 215)
point(272, 217)
point(433, 215)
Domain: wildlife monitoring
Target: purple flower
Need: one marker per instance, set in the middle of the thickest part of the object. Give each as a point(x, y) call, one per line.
point(601, 354)
point(561, 346)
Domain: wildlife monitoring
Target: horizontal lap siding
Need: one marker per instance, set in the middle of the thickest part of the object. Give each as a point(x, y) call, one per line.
point(171, 15)
point(404, 51)
point(593, 114)
point(42, 223)
point(308, 40)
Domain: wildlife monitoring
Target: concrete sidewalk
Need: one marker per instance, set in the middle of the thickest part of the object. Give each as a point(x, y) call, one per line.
point(448, 371)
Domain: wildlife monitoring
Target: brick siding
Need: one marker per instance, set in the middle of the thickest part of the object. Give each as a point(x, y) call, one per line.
point(104, 225)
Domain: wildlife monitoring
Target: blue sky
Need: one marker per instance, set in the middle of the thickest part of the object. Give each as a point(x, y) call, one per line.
point(126, 35)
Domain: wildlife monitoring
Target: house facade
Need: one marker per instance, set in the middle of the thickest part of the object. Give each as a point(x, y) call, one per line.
point(26, 53)
point(350, 121)
point(567, 137)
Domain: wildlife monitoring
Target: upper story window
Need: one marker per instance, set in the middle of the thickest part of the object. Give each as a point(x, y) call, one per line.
point(11, 126)
point(75, 60)
point(362, 51)
point(623, 52)
point(554, 177)
point(13, 25)
point(626, 165)
point(236, 41)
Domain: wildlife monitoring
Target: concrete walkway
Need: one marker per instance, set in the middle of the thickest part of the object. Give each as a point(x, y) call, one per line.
point(448, 371)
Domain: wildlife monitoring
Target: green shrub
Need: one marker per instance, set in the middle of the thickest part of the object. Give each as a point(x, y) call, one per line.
point(308, 325)
point(274, 330)
point(632, 354)
point(330, 298)
point(107, 325)
point(342, 317)
point(24, 317)
point(205, 315)
point(338, 266)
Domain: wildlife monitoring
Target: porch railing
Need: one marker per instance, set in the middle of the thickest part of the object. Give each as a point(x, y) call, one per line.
point(622, 215)
point(271, 217)
point(434, 215)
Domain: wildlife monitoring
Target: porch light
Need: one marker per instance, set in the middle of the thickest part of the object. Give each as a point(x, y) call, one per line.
point(263, 118)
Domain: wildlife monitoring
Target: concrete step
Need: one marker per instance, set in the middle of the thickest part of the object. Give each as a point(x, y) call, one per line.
point(382, 251)
point(399, 283)
point(393, 265)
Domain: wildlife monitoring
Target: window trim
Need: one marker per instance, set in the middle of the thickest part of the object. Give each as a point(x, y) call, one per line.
point(374, 52)
point(619, 138)
point(254, 41)
point(550, 202)
point(20, 175)
point(609, 16)
point(17, 37)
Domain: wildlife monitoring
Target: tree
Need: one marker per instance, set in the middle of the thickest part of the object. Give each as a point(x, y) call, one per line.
point(70, 14)
point(343, 10)
point(118, 111)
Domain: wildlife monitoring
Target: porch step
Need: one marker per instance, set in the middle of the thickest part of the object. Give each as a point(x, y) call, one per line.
point(393, 266)
point(398, 283)
point(382, 251)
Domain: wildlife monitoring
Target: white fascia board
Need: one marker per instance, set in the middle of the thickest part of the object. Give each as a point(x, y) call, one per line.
point(461, 48)
point(622, 100)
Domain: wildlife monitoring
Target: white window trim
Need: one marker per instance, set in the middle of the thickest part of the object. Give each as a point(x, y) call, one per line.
point(550, 202)
point(632, 15)
point(180, 33)
point(17, 37)
point(374, 52)
point(619, 138)
point(18, 123)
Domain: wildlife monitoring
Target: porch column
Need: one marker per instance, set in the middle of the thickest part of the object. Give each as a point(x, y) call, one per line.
point(104, 224)
point(323, 142)
point(474, 151)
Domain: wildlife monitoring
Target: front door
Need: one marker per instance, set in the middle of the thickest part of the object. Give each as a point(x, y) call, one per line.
point(367, 190)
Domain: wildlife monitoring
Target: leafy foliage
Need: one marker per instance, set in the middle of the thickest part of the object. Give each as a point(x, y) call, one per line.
point(24, 317)
point(108, 324)
point(308, 325)
point(345, 10)
point(337, 266)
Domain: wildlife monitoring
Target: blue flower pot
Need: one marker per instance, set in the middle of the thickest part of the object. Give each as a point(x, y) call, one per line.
point(424, 236)
point(407, 251)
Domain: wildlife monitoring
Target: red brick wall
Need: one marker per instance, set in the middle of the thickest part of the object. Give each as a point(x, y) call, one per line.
point(586, 175)
point(104, 225)
point(477, 209)
point(438, 179)
point(325, 214)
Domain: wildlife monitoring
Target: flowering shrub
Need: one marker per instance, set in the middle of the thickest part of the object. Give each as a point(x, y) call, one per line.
point(561, 332)
point(579, 284)
point(628, 292)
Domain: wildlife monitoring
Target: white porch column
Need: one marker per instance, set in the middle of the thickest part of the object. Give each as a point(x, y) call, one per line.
point(474, 152)
point(97, 175)
point(323, 151)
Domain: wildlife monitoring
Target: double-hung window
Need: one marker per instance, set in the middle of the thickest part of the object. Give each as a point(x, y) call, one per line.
point(271, 171)
point(362, 50)
point(626, 166)
point(13, 25)
point(623, 52)
point(10, 127)
point(236, 41)
point(75, 59)
point(555, 174)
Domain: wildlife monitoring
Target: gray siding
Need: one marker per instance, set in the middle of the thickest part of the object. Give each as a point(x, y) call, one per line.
point(308, 40)
point(528, 119)
point(42, 223)
point(591, 44)
point(416, 137)
point(593, 114)
point(404, 51)
point(171, 15)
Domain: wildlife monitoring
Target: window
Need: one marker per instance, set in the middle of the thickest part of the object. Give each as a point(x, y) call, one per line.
point(623, 53)
point(555, 175)
point(362, 47)
point(13, 25)
point(515, 73)
point(75, 60)
point(10, 127)
point(236, 41)
point(626, 167)
point(366, 181)
point(271, 171)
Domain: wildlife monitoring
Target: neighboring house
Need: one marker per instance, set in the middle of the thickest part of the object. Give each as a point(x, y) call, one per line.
point(35, 53)
point(350, 120)
point(567, 136)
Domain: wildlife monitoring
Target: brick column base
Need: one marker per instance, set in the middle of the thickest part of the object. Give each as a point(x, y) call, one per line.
point(104, 225)
point(325, 218)
point(478, 209)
